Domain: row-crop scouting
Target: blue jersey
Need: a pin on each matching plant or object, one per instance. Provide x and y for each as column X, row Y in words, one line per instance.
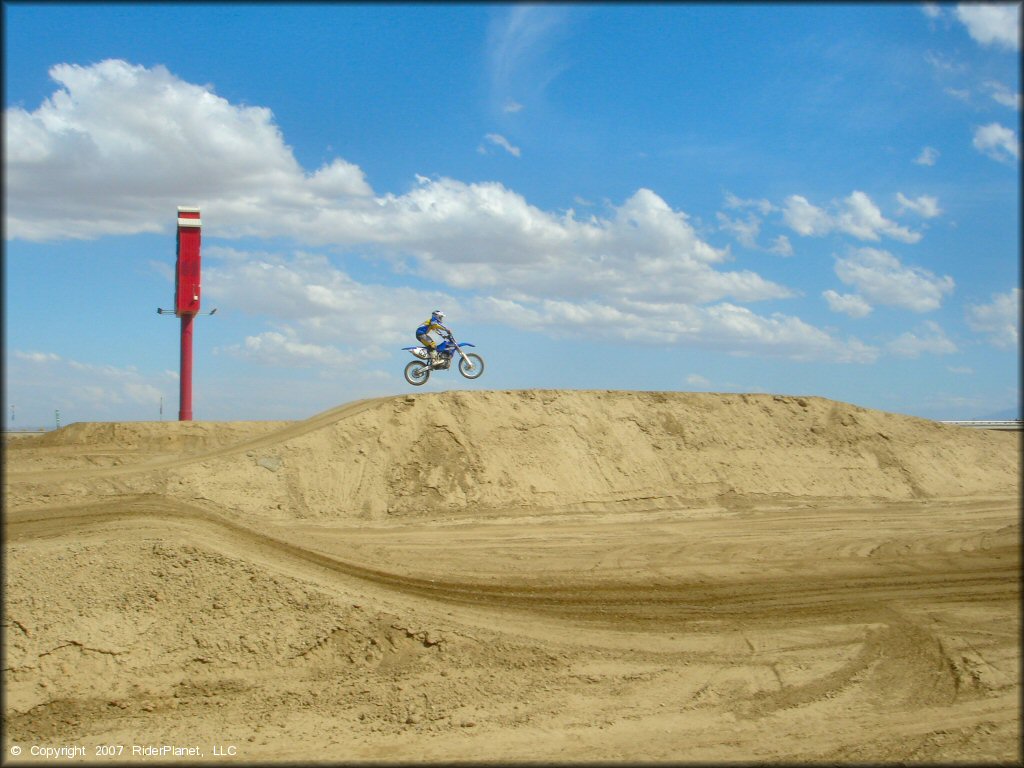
column 429, row 325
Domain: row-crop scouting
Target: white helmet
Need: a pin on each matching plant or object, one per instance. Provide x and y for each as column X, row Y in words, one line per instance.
column 437, row 316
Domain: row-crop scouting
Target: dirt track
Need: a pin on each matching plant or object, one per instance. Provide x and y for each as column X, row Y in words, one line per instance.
column 349, row 588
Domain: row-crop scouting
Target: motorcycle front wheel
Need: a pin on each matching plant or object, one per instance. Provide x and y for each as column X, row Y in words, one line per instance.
column 477, row 363
column 417, row 373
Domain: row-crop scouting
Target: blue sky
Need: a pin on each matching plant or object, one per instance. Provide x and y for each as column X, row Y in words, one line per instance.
column 796, row 199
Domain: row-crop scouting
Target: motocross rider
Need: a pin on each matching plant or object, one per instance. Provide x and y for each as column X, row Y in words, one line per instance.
column 434, row 323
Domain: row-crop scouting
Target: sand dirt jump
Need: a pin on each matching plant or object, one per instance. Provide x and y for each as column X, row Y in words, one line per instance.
column 527, row 576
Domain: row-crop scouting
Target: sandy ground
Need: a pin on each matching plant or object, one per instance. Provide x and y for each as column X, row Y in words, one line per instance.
column 516, row 576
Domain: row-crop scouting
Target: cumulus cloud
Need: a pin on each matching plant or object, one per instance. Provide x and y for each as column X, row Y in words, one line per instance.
column 806, row 219
column 998, row 142
column 287, row 350
column 928, row 156
column 999, row 319
column 847, row 303
column 745, row 231
column 323, row 317
column 484, row 236
column 928, row 339
column 117, row 146
column 861, row 218
column 781, row 246
column 855, row 215
column 995, row 24
column 1002, row 94
column 924, row 206
column 761, row 205
column 881, row 278
column 139, row 136
column 312, row 301
column 724, row 326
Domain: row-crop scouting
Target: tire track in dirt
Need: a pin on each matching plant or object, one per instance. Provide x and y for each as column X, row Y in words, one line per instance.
column 658, row 605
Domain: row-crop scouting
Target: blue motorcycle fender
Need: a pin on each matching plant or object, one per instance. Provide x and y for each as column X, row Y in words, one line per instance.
column 445, row 347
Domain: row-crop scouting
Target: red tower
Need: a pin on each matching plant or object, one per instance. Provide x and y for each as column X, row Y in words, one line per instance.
column 186, row 298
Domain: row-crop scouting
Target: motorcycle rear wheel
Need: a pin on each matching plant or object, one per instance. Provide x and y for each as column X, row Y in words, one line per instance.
column 417, row 373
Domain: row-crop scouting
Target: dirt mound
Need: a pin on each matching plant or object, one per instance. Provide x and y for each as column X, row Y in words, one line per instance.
column 476, row 452
column 89, row 445
column 519, row 577
column 168, row 436
column 501, row 452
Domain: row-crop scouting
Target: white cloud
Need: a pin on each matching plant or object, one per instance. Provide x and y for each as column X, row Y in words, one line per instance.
column 483, row 236
column 960, row 370
column 340, row 179
column 998, row 142
column 37, row 357
column 499, row 140
column 321, row 313
column 847, row 303
column 45, row 382
column 512, row 107
column 1000, row 319
column 855, row 215
column 861, row 218
column 124, row 138
column 142, row 393
column 1003, row 95
column 925, row 206
column 928, row 156
column 882, row 279
column 943, row 64
column 763, row 206
column 995, row 24
column 723, row 327
column 287, row 350
column 520, row 41
column 117, row 146
column 929, row 339
column 931, row 10
column 696, row 380
column 781, row 246
column 804, row 218
column 745, row 232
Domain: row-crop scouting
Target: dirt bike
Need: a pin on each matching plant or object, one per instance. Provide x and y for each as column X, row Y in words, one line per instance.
column 471, row 365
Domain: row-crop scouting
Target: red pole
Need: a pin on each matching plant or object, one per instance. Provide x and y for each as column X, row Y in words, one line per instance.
column 185, row 392
column 186, row 297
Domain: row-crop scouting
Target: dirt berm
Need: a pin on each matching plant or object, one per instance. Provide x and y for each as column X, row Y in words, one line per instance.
column 524, row 577
column 442, row 454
